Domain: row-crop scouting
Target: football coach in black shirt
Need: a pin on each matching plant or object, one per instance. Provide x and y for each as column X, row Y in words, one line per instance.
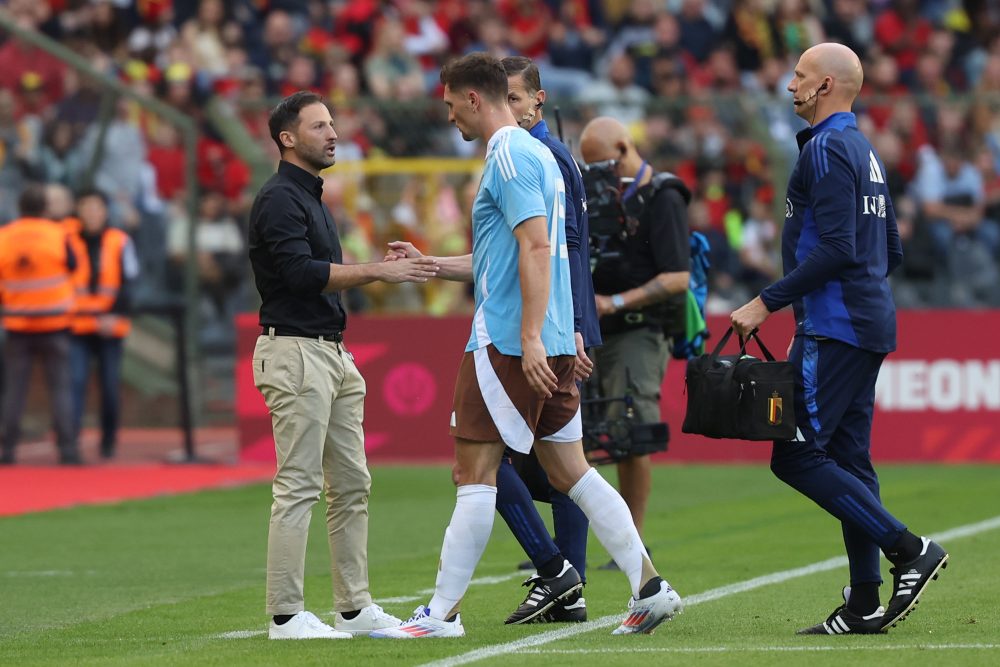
column 312, row 388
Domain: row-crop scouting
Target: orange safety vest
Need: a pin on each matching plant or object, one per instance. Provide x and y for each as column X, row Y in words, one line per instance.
column 36, row 286
column 93, row 308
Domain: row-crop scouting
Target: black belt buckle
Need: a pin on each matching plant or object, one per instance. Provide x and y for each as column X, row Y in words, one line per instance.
column 634, row 318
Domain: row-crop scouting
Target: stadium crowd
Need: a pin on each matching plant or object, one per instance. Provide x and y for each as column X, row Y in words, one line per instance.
column 700, row 83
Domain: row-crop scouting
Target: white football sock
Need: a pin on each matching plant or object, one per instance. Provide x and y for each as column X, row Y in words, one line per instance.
column 464, row 542
column 612, row 523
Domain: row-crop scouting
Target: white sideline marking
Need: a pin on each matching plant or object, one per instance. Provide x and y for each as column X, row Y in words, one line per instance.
column 709, row 595
column 757, row 649
column 421, row 595
column 240, row 634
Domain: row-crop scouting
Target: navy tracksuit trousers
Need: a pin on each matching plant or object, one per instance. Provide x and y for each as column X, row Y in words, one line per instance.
column 517, row 486
column 830, row 461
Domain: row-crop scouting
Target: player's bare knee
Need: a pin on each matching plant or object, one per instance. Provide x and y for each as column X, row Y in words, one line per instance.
column 564, row 463
column 476, row 462
column 464, row 477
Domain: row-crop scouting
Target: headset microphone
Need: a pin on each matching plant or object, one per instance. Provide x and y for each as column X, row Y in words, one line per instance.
column 815, row 93
column 539, row 105
column 812, row 121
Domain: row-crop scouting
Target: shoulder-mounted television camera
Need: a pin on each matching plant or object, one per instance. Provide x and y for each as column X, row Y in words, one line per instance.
column 602, row 187
column 612, row 219
column 605, row 213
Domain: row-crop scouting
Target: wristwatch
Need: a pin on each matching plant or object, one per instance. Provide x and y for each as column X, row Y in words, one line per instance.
column 618, row 301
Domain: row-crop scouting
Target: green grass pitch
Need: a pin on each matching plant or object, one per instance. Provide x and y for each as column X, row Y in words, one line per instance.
column 160, row 581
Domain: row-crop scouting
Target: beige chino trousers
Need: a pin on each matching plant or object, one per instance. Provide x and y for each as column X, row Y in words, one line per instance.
column 316, row 397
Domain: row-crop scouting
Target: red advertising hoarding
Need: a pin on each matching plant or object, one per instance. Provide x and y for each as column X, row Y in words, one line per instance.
column 938, row 395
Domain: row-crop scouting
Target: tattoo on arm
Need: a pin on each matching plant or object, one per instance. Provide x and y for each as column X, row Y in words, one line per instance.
column 654, row 291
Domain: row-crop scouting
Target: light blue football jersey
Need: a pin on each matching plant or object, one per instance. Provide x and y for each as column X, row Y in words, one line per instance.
column 521, row 180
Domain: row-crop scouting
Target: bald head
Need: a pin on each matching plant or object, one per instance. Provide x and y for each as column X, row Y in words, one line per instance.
column 604, row 138
column 827, row 80
column 840, row 63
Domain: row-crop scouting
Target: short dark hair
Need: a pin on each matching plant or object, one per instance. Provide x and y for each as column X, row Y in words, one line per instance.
column 285, row 115
column 477, row 71
column 92, row 192
column 32, row 203
column 526, row 67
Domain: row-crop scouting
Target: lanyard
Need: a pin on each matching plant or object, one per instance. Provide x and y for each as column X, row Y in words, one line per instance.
column 634, row 185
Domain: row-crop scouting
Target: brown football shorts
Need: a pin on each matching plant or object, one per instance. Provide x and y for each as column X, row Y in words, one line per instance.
column 495, row 403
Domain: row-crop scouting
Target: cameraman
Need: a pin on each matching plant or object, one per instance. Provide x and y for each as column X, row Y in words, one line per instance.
column 641, row 279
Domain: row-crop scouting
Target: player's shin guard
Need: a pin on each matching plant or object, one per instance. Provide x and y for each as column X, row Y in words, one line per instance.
column 464, row 542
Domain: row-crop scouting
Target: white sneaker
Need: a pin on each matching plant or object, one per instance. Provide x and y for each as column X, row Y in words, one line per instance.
column 304, row 625
column 647, row 613
column 421, row 625
column 371, row 618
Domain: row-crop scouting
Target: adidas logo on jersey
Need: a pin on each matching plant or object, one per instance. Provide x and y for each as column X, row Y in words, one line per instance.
column 874, row 171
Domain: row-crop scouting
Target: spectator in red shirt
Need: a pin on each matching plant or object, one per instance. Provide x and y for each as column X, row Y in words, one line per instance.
column 528, row 22
column 167, row 158
column 904, row 34
column 219, row 169
column 18, row 58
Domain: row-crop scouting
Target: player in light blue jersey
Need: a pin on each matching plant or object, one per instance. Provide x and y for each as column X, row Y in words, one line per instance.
column 516, row 383
column 521, row 182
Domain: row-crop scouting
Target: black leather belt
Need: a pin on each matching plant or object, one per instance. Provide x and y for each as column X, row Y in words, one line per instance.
column 335, row 337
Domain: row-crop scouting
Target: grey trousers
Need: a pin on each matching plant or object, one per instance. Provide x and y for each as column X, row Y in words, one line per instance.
column 644, row 353
column 316, row 397
column 20, row 352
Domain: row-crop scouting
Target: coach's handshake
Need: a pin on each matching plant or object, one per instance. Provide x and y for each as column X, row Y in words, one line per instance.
column 457, row 268
column 417, row 269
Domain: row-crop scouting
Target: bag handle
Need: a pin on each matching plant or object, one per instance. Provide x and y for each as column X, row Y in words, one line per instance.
column 755, row 334
column 722, row 343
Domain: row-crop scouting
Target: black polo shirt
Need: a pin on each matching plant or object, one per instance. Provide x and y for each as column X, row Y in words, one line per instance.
column 292, row 243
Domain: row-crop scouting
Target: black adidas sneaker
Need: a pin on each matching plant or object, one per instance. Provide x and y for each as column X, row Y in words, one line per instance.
column 842, row 621
column 544, row 593
column 571, row 609
column 910, row 579
column 845, row 622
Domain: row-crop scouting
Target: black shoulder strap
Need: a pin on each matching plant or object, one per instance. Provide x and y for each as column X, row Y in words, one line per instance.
column 664, row 179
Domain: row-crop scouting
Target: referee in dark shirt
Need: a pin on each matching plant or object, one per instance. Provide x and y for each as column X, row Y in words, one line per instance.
column 839, row 244
column 308, row 378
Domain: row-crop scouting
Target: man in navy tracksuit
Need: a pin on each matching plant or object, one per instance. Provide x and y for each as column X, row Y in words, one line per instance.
column 839, row 245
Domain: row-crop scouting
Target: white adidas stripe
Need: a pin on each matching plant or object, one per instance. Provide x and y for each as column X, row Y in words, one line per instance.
column 839, row 622
column 876, row 171
column 505, row 155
